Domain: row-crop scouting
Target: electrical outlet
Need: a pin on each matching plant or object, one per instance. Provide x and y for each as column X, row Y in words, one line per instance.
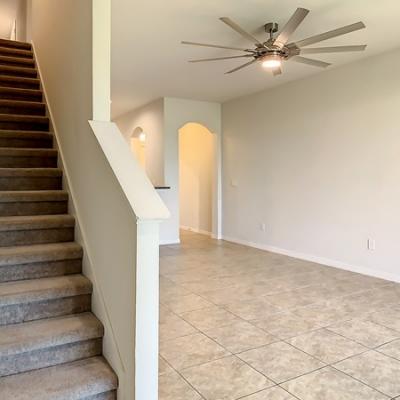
column 263, row 227
column 371, row 245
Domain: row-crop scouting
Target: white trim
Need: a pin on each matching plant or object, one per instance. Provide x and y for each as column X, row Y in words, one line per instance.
column 167, row 242
column 139, row 191
column 195, row 230
column 147, row 311
column 319, row 260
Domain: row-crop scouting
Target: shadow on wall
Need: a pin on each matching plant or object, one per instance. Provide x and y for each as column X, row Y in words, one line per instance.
column 196, row 169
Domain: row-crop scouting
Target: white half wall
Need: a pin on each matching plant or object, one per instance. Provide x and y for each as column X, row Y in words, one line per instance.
column 317, row 162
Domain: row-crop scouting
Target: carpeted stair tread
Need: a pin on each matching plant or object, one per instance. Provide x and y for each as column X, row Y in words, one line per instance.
column 22, row 107
column 72, row 381
column 32, row 196
column 30, row 222
column 18, row 152
column 30, row 172
column 14, row 52
column 18, row 61
column 20, row 92
column 35, row 290
column 36, row 335
column 39, row 253
column 19, row 82
column 11, row 134
column 50, row 341
column 15, row 44
column 18, row 71
column 24, row 118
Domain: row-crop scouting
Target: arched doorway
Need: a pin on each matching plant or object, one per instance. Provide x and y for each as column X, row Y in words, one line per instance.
column 197, row 175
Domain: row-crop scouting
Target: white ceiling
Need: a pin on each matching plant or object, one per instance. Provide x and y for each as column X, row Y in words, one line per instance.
column 149, row 62
column 8, row 12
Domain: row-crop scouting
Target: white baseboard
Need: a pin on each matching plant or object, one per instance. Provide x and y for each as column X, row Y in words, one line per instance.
column 195, row 230
column 166, row 242
column 319, row 260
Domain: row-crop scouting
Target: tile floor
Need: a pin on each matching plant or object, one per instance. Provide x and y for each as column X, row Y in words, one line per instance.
column 241, row 323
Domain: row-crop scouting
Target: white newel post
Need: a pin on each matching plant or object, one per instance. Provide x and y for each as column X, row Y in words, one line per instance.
column 147, row 309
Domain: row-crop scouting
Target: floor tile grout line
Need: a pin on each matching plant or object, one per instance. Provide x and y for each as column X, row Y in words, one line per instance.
column 282, row 310
column 358, row 380
column 348, row 318
column 266, row 376
column 327, row 363
column 267, row 389
column 232, row 355
column 280, row 383
column 284, row 291
column 362, row 344
column 175, row 370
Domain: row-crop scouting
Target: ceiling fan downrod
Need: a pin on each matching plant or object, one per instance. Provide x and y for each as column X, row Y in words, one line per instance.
column 271, row 28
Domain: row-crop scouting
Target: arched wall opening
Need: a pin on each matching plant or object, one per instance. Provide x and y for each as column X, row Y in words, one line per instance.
column 197, row 174
column 138, row 145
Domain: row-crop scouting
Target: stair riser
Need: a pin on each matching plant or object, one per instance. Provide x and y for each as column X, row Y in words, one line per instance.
column 9, row 94
column 26, row 143
column 15, row 45
column 31, row 183
column 23, row 62
column 18, row 84
column 10, row 71
column 17, row 110
column 33, row 208
column 15, row 314
column 25, row 126
column 39, row 270
column 36, row 236
column 49, row 357
column 9, row 52
column 28, row 162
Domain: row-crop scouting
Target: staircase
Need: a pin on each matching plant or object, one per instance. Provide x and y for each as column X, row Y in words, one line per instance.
column 50, row 342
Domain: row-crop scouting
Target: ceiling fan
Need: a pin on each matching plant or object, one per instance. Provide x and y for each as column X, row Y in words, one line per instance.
column 275, row 50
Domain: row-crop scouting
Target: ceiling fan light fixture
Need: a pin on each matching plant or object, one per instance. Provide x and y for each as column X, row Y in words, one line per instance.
column 271, row 61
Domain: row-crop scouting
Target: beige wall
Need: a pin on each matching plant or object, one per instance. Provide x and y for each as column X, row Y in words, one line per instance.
column 150, row 118
column 21, row 20
column 317, row 161
column 196, row 164
column 162, row 120
column 13, row 12
column 62, row 35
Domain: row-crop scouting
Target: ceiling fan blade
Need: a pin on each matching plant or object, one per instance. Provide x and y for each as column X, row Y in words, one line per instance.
column 241, row 66
column 277, row 71
column 331, row 34
column 219, row 58
column 216, row 46
column 241, row 31
column 309, row 61
column 336, row 49
column 293, row 23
